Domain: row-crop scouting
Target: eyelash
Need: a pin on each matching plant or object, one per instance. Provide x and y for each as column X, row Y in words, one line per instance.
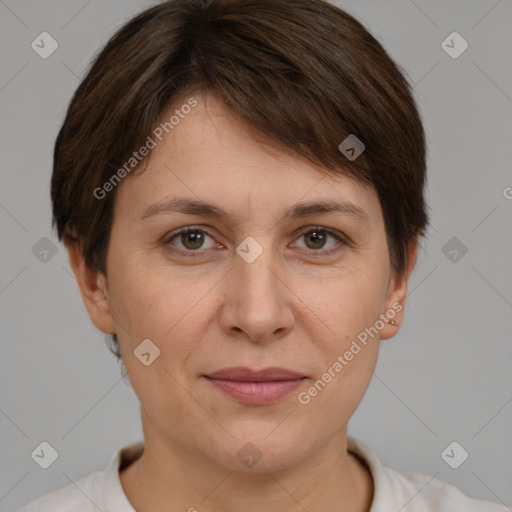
column 200, row 253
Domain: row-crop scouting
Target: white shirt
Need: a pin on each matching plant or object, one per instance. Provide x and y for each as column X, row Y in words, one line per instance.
column 394, row 490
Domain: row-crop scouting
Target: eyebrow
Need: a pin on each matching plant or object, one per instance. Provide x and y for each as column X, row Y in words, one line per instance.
column 204, row 209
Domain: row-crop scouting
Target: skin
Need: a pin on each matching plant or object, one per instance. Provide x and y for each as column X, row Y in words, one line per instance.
column 293, row 307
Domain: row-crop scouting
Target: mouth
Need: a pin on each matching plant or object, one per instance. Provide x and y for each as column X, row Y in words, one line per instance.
column 256, row 387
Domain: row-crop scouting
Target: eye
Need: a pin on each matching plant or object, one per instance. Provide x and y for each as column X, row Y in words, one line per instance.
column 191, row 239
column 316, row 239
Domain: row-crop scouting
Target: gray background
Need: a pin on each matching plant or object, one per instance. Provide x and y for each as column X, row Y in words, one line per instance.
column 445, row 377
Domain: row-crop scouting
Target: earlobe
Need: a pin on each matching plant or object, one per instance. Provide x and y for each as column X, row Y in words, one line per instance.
column 397, row 295
column 92, row 285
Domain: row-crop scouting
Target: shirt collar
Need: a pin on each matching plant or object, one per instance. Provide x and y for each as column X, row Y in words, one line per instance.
column 113, row 493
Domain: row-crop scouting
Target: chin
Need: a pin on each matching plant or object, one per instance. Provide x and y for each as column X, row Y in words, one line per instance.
column 256, row 450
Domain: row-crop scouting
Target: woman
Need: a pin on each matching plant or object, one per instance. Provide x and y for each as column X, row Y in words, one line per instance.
column 240, row 187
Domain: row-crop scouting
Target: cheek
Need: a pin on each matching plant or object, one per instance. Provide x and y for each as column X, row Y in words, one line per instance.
column 153, row 303
column 150, row 304
column 340, row 318
column 344, row 303
column 345, row 352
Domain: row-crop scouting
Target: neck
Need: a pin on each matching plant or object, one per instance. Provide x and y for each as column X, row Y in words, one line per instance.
column 168, row 473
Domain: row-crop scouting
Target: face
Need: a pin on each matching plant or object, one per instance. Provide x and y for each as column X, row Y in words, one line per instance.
column 270, row 282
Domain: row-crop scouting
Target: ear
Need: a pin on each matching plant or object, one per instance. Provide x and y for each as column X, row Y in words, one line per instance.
column 398, row 293
column 93, row 289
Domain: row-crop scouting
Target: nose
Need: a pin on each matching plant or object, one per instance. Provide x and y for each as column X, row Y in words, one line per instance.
column 257, row 302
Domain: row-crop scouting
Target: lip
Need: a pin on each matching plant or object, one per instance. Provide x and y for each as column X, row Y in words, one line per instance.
column 243, row 374
column 256, row 387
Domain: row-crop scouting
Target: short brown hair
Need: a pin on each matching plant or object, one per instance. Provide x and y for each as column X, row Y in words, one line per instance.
column 304, row 72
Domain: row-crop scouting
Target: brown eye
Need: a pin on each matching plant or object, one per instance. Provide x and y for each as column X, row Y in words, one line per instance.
column 316, row 239
column 190, row 241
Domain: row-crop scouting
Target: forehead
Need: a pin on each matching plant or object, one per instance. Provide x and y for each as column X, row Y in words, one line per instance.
column 209, row 154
